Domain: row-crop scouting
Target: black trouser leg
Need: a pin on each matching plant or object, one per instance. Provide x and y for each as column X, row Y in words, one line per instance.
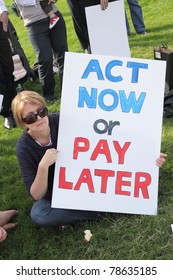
column 7, row 86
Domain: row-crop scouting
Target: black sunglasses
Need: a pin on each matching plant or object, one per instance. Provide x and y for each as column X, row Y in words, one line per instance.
column 32, row 117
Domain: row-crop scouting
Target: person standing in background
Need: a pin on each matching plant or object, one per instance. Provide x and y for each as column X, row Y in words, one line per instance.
column 47, row 43
column 77, row 9
column 137, row 17
column 7, row 85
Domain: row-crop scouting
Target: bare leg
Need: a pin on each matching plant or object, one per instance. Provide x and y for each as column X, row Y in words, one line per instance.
column 6, row 216
column 3, row 234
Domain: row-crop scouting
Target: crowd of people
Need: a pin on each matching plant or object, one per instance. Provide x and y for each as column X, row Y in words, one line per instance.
column 36, row 148
column 46, row 30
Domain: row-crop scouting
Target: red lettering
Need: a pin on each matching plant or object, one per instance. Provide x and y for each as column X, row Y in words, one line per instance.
column 80, row 145
column 101, row 148
column 121, row 151
column 123, row 179
column 104, row 174
column 143, row 185
column 62, row 181
column 120, row 182
column 85, row 177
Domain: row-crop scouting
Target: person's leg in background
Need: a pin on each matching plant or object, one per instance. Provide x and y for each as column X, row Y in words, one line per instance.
column 8, row 90
column 58, row 39
column 38, row 34
column 77, row 9
column 137, row 16
column 127, row 25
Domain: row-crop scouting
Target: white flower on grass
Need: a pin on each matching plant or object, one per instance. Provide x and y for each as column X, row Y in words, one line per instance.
column 87, row 235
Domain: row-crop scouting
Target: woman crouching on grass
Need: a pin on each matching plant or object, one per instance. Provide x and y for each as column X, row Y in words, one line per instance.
column 37, row 154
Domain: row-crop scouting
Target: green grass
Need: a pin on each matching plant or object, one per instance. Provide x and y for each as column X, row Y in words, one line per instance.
column 117, row 236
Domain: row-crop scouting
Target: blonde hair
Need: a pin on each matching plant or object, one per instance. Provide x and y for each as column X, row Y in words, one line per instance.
column 23, row 98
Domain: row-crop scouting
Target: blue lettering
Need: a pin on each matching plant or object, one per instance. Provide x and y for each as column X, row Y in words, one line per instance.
column 130, row 102
column 135, row 69
column 93, row 66
column 101, row 100
column 90, row 100
column 109, row 67
column 127, row 103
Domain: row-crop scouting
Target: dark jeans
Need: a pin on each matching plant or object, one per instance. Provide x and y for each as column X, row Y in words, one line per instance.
column 43, row 215
column 7, row 87
column 77, row 9
column 46, row 43
column 136, row 15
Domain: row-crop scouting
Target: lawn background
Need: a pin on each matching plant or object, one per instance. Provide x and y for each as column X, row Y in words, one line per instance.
column 117, row 236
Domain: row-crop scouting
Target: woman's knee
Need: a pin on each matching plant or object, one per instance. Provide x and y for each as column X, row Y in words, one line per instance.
column 36, row 218
column 39, row 212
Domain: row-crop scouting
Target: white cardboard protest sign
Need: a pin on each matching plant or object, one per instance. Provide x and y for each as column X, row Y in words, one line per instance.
column 107, row 29
column 109, row 134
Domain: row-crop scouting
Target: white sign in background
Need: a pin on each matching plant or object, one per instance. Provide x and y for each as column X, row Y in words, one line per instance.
column 142, row 130
column 1, row 99
column 107, row 29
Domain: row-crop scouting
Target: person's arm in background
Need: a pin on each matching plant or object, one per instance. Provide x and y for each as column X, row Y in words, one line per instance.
column 3, row 15
column 104, row 4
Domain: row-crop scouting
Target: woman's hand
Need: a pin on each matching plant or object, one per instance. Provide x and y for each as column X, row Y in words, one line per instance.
column 160, row 161
column 49, row 157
